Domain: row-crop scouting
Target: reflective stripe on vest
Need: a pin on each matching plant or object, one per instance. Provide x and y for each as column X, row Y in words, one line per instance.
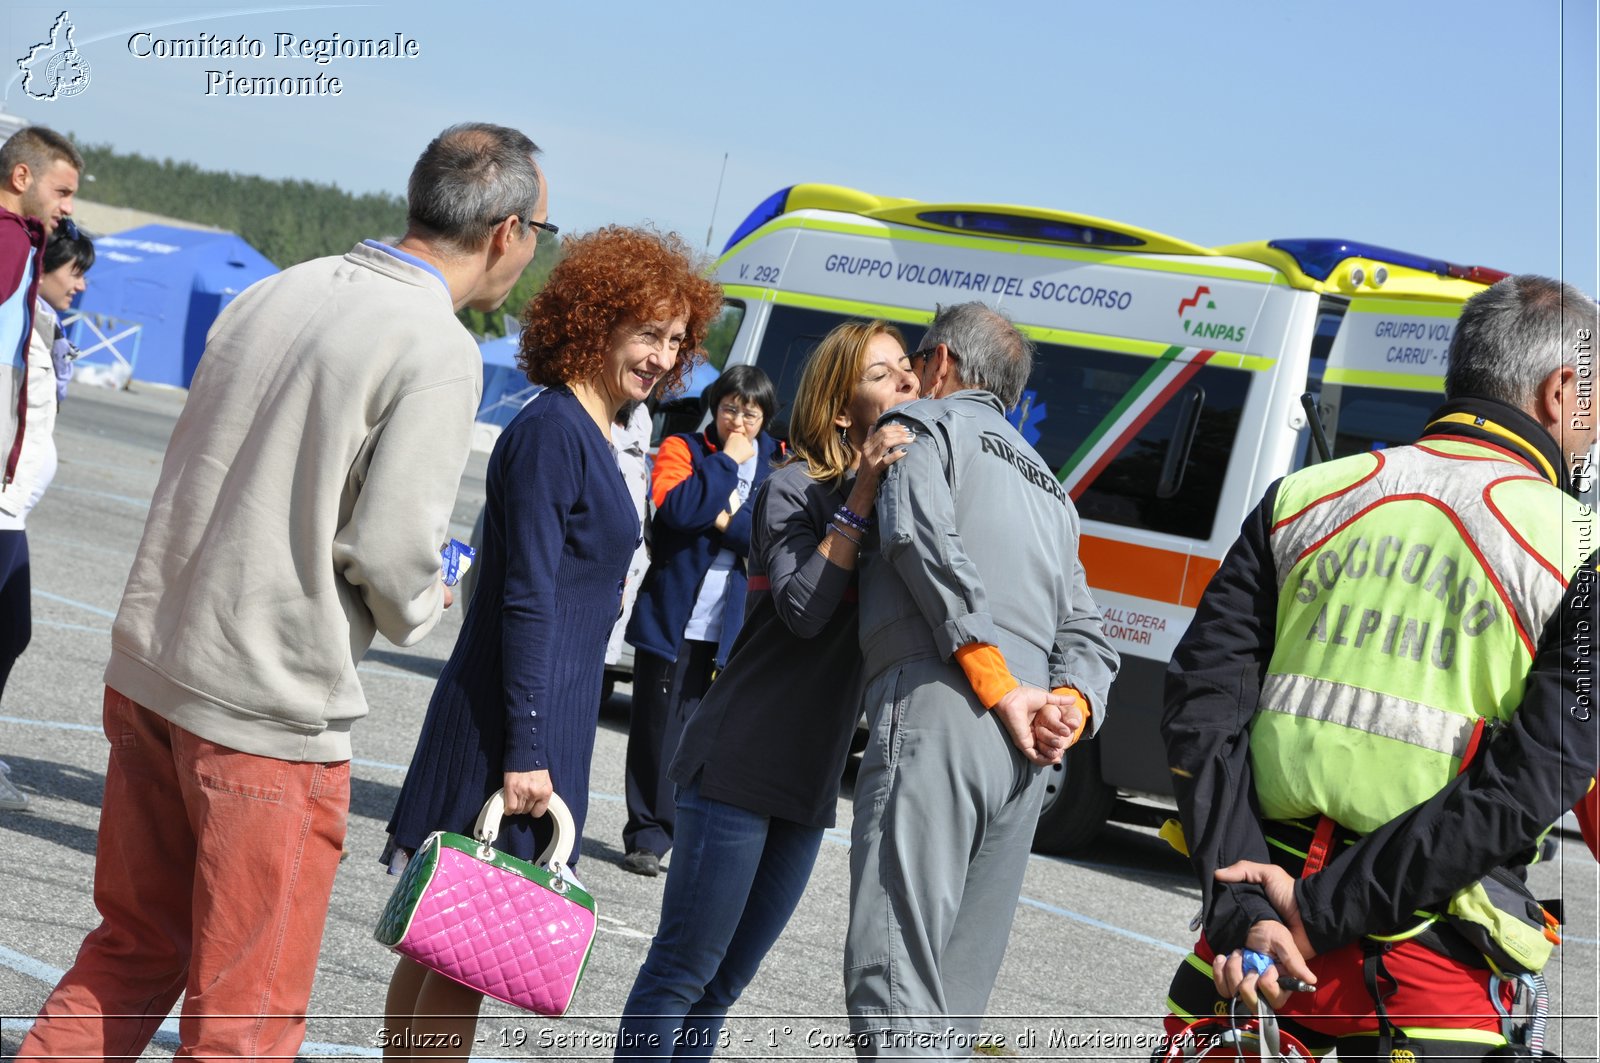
column 1369, row 711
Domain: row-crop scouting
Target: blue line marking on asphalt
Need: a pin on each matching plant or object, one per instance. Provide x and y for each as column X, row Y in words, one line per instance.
column 833, row 835
column 1165, row 946
column 379, row 764
column 138, row 503
column 360, row 762
column 71, row 627
column 85, row 606
column 53, row 724
column 381, row 672
column 25, row 964
column 166, row 1036
column 369, row 669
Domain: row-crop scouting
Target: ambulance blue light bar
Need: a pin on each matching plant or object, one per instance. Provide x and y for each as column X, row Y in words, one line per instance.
column 765, row 211
column 1318, row 258
column 1025, row 228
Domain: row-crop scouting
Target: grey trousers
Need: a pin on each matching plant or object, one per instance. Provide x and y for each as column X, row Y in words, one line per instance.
column 945, row 810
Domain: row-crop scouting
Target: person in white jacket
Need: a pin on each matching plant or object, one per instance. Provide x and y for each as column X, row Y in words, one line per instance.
column 631, row 441
column 66, row 258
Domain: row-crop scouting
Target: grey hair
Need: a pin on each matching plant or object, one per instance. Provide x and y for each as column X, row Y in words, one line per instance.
column 990, row 352
column 1513, row 335
column 468, row 180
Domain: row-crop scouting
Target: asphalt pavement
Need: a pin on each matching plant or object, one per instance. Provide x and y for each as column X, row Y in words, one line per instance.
column 1094, row 944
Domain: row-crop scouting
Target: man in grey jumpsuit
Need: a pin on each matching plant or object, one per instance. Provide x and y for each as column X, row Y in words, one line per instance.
column 975, row 602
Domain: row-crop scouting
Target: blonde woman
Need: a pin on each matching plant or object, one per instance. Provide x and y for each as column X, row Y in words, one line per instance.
column 759, row 763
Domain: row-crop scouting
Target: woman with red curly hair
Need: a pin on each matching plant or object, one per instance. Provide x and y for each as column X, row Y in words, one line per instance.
column 518, row 702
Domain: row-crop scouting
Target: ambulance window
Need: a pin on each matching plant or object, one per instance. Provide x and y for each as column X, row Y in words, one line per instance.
column 1330, row 315
column 1374, row 418
column 721, row 334
column 1071, row 411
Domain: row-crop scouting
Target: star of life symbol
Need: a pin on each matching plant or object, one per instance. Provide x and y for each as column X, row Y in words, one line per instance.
column 55, row 68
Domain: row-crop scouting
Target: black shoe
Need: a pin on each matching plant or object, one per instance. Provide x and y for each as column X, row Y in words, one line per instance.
column 642, row 862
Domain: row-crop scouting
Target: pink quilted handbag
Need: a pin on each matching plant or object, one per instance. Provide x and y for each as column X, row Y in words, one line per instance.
column 512, row 930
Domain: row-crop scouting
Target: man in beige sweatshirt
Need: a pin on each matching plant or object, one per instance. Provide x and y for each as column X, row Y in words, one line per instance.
column 302, row 503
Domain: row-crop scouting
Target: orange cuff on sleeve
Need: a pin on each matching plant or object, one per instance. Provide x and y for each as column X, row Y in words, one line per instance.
column 1075, row 692
column 987, row 672
column 1087, row 712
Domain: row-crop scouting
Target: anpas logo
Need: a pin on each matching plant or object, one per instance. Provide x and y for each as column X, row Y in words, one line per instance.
column 1195, row 323
column 55, row 68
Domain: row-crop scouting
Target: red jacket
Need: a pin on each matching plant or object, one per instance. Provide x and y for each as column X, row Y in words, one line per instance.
column 20, row 241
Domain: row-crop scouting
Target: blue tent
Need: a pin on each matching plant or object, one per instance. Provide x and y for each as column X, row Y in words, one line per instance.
column 173, row 283
column 506, row 390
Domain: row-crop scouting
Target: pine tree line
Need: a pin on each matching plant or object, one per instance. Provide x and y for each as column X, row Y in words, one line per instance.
column 287, row 221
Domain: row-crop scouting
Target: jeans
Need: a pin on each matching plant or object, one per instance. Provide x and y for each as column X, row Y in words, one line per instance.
column 16, row 610
column 212, row 876
column 736, row 878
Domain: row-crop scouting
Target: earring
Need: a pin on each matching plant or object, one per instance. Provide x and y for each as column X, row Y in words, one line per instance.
column 844, row 440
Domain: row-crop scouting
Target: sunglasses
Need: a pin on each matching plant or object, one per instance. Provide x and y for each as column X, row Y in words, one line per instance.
column 925, row 353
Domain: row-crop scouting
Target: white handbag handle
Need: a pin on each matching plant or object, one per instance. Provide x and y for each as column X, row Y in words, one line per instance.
column 560, row 848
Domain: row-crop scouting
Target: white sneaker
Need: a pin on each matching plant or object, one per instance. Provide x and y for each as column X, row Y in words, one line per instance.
column 11, row 798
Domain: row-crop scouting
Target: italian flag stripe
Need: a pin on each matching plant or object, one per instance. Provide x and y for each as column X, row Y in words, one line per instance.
column 1148, row 396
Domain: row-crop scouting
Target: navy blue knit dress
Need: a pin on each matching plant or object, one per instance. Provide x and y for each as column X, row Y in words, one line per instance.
column 521, row 691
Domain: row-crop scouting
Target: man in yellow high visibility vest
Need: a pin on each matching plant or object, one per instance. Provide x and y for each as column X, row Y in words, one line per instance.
column 1342, row 716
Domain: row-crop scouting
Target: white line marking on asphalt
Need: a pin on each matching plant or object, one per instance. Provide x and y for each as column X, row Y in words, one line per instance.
column 621, row 929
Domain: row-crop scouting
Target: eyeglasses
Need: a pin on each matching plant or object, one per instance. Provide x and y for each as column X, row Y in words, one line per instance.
column 529, row 223
column 927, row 352
column 68, row 228
column 733, row 413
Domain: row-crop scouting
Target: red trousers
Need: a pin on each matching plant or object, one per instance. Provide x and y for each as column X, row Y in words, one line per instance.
column 212, row 877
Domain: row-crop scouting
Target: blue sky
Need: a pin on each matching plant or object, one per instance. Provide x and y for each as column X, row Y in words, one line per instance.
column 1460, row 129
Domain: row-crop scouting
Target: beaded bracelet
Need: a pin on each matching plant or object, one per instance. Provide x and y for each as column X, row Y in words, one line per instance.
column 855, row 520
column 840, row 528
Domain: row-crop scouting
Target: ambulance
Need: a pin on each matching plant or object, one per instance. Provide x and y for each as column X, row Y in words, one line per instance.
column 1168, row 392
